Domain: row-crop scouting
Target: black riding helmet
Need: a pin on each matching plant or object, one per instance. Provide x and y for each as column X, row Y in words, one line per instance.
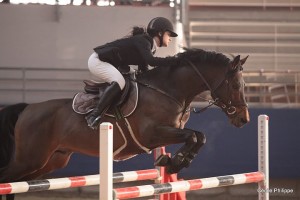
column 160, row 25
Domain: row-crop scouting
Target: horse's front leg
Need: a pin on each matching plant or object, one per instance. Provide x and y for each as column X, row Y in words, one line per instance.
column 193, row 140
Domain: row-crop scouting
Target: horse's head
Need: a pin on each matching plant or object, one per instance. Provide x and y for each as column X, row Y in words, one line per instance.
column 229, row 94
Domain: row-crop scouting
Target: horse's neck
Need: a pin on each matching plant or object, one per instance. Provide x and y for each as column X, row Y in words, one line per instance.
column 181, row 83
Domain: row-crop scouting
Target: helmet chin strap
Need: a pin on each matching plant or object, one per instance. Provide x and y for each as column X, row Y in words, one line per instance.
column 161, row 37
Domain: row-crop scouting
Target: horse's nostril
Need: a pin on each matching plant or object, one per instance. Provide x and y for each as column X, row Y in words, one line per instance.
column 244, row 121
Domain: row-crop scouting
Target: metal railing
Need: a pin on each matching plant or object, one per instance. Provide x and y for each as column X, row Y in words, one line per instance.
column 269, row 89
column 272, row 45
column 21, row 84
column 277, row 88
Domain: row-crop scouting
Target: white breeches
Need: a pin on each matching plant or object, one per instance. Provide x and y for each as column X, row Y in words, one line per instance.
column 105, row 71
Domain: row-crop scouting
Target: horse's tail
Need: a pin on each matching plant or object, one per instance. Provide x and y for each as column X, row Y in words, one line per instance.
column 8, row 118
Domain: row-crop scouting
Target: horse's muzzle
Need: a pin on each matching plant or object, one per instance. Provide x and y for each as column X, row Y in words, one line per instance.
column 241, row 117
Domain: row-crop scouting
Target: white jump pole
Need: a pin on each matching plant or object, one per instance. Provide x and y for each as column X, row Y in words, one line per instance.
column 106, row 161
column 263, row 156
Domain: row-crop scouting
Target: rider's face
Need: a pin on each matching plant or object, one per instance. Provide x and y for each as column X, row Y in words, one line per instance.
column 166, row 39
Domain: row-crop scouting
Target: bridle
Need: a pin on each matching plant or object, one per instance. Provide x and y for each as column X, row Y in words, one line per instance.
column 228, row 107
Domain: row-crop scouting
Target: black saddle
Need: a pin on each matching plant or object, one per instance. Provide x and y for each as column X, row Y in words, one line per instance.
column 85, row 102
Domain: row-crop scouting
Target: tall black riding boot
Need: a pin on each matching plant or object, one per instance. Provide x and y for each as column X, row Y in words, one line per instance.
column 110, row 93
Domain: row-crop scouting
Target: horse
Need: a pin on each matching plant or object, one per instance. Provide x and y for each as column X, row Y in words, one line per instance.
column 39, row 138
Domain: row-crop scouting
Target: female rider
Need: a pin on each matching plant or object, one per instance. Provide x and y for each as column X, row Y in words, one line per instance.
column 110, row 60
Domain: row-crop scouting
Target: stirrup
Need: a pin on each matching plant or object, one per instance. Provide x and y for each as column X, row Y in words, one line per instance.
column 95, row 124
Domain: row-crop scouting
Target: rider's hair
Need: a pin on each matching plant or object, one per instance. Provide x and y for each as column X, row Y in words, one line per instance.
column 138, row 31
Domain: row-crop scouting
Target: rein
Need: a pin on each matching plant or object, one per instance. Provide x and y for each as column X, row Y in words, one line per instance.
column 210, row 102
column 158, row 90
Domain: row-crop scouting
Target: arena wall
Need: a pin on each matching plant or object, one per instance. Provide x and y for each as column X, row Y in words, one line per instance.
column 64, row 36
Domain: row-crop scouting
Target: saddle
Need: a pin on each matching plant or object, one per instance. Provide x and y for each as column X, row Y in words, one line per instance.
column 84, row 102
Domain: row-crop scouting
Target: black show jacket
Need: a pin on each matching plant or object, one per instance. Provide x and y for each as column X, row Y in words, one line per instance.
column 134, row 50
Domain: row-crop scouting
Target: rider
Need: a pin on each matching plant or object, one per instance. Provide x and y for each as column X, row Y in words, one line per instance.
column 110, row 60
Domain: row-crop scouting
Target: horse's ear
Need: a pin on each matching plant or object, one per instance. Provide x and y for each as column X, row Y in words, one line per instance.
column 235, row 62
column 244, row 60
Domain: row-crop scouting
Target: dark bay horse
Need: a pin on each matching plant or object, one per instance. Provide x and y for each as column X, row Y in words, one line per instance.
column 38, row 138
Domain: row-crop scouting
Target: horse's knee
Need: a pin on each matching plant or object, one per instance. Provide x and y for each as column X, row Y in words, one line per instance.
column 201, row 138
column 197, row 138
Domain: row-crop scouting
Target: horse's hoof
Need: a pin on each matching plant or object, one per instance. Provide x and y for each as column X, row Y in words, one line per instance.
column 162, row 160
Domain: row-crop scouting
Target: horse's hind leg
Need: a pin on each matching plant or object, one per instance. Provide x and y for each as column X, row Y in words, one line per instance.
column 28, row 160
column 10, row 196
column 183, row 157
column 58, row 160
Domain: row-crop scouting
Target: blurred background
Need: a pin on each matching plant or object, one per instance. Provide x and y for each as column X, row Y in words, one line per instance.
column 45, row 44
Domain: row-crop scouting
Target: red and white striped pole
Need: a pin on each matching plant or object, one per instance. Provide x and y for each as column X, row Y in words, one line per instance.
column 188, row 185
column 75, row 181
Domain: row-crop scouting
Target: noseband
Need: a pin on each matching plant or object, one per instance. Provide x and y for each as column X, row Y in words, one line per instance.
column 227, row 108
